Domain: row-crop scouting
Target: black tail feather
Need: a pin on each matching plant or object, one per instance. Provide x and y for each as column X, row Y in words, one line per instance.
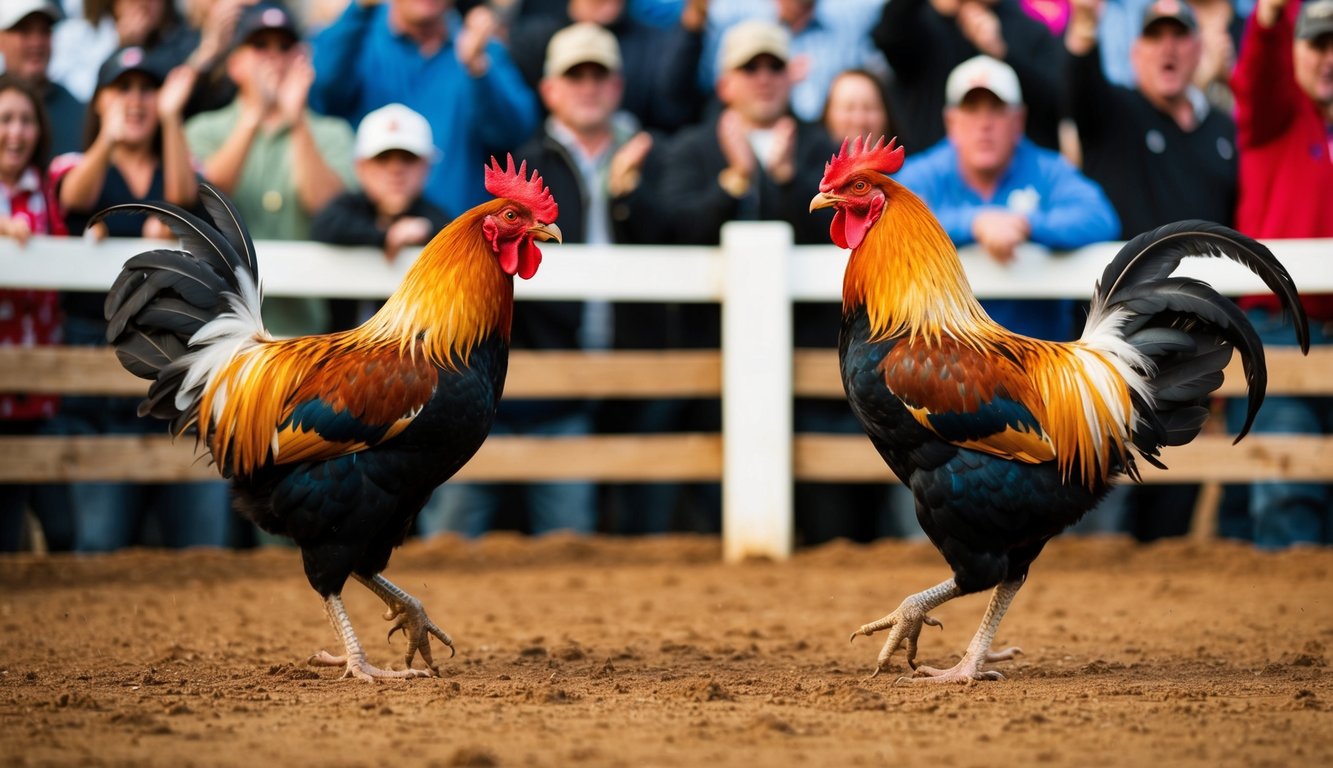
column 1187, row 329
column 162, row 298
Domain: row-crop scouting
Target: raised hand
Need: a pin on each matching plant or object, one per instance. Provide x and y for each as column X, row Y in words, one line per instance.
column 294, row 90
column 627, row 165
column 732, row 139
column 175, row 91
column 781, row 161
column 981, row 27
column 479, row 26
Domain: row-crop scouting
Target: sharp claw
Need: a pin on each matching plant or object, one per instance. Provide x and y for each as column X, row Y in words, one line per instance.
column 932, row 622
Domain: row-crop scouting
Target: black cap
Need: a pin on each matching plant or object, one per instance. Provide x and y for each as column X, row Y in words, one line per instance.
column 129, row 59
column 260, row 17
column 1316, row 19
column 1178, row 11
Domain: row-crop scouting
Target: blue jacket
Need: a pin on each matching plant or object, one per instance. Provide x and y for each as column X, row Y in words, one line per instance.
column 361, row 64
column 1064, row 208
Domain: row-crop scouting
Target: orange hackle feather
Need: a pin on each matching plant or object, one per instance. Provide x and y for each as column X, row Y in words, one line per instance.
column 454, row 296
column 908, row 277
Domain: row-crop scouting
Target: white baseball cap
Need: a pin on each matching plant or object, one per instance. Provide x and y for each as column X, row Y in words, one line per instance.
column 394, row 126
column 14, row 11
column 986, row 73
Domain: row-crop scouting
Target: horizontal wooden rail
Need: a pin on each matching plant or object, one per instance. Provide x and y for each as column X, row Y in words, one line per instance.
column 1210, row 458
column 158, row 459
column 815, row 373
column 685, row 373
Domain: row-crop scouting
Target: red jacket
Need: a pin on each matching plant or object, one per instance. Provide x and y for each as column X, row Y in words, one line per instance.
column 1286, row 172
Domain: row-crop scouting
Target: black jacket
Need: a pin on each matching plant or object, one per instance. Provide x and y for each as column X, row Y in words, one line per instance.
column 697, row 206
column 923, row 47
column 1153, row 172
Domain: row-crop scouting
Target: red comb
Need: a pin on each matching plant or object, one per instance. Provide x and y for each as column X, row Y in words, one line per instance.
column 531, row 193
column 860, row 155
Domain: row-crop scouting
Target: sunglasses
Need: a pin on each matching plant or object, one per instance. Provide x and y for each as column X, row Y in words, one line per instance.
column 764, row 63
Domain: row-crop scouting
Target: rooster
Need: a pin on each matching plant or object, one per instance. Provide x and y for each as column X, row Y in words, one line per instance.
column 334, row 440
column 1006, row 440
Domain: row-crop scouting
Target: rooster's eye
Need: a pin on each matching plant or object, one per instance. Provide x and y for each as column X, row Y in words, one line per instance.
column 510, row 215
column 860, row 186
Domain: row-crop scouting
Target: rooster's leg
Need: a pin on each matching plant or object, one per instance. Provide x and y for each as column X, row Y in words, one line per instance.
column 355, row 658
column 412, row 620
column 978, row 651
column 905, row 623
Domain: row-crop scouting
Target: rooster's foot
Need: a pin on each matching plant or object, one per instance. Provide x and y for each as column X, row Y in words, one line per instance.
column 410, row 618
column 904, row 626
column 967, row 670
column 356, row 666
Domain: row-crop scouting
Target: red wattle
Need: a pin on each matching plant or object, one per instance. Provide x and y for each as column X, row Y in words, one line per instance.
column 529, row 258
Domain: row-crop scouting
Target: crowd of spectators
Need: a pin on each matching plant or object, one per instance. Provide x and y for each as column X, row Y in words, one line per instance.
column 365, row 122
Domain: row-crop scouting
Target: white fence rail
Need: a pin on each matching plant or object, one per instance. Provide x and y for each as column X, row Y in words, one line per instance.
column 755, row 275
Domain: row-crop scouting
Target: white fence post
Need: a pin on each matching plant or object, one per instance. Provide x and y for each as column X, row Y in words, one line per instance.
column 756, row 391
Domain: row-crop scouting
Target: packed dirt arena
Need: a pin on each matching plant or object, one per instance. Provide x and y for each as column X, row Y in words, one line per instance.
column 650, row 651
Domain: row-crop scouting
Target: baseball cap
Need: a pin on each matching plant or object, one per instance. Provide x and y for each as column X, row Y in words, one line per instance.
column 748, row 39
column 260, row 17
column 583, row 43
column 394, row 126
column 14, row 11
column 132, row 58
column 1315, row 19
column 986, row 73
column 1176, row 10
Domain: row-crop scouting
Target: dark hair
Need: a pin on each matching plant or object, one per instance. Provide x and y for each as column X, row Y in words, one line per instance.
column 41, row 154
column 96, row 10
column 92, row 122
column 881, row 88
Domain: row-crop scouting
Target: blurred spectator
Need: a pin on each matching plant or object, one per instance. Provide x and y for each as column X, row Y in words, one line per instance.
column 109, row 25
column 857, row 105
column 658, row 64
column 394, row 152
column 1284, row 114
column 750, row 161
column 25, row 47
column 134, row 151
column 420, row 53
column 827, row 37
column 591, row 157
column 600, row 165
column 277, row 159
column 1163, row 153
column 991, row 186
column 28, row 318
column 1160, row 151
column 925, row 39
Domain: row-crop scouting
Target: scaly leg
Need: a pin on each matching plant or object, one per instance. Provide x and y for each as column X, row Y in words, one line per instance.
column 412, row 620
column 978, row 651
column 354, row 659
column 905, row 623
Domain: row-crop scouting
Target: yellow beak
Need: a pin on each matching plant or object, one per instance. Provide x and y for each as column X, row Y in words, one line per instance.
column 824, row 200
column 545, row 232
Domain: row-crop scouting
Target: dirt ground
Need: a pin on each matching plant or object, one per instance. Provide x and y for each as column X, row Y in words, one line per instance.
column 652, row 652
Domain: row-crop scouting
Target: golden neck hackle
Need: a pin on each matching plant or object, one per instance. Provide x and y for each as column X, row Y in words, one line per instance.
column 908, row 276
column 452, row 298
